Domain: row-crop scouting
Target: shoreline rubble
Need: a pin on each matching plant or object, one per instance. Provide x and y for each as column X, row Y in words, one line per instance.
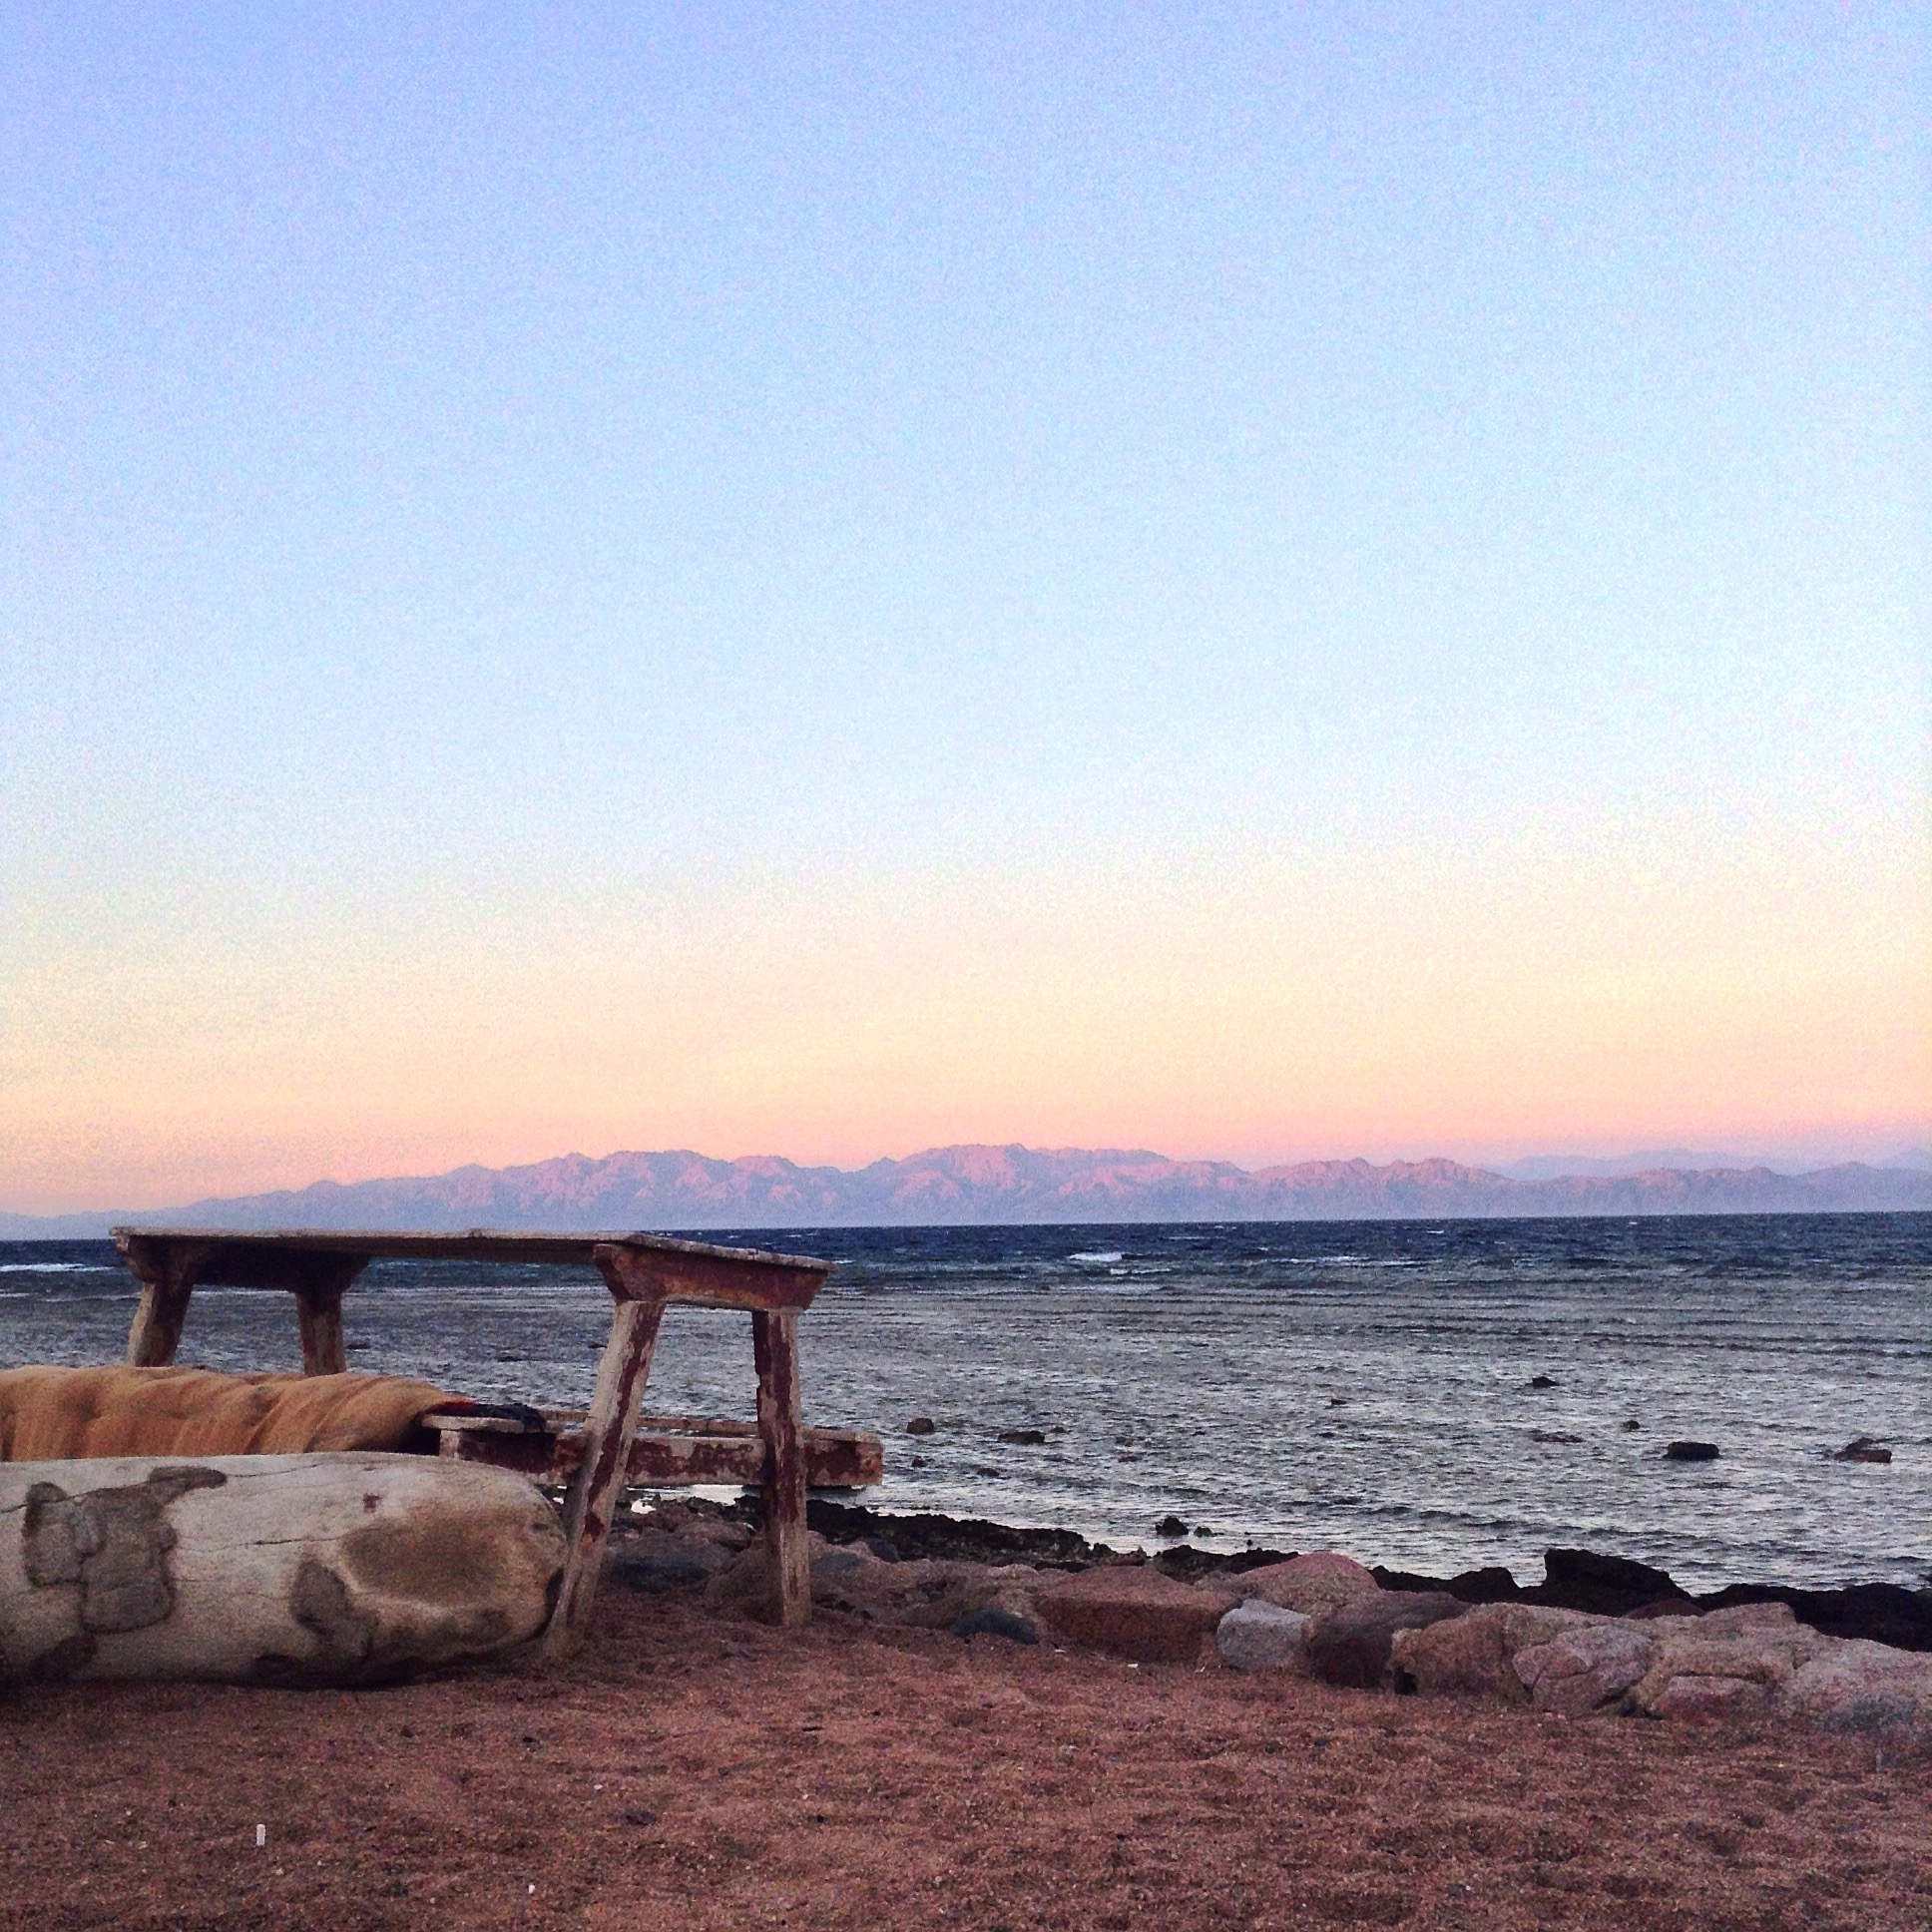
column 1600, row 1635
column 1574, row 1578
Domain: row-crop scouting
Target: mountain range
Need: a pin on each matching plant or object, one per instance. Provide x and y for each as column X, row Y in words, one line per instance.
column 960, row 1186
column 1563, row 1167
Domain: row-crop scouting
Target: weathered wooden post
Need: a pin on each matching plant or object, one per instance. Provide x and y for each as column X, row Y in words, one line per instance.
column 773, row 1289
column 167, row 1271
column 774, row 1343
column 597, row 1486
column 318, row 1310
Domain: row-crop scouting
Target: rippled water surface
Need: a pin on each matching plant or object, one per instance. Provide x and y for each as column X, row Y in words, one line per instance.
column 1365, row 1386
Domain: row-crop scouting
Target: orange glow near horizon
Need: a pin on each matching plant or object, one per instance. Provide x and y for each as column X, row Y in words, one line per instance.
column 1408, row 1002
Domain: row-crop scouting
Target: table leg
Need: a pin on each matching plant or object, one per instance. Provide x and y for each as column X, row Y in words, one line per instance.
column 318, row 1312
column 168, row 1275
column 775, row 1341
column 597, row 1486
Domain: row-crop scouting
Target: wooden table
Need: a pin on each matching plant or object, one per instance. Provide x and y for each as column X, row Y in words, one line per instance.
column 596, row 1452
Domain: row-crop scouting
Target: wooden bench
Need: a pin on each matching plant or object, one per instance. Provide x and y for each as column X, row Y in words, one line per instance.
column 597, row 1451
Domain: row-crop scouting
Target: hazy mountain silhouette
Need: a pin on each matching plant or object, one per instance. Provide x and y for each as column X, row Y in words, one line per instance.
column 992, row 1185
column 1563, row 1167
column 1553, row 1167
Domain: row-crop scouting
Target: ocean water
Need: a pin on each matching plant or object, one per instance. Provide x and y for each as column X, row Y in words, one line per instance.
column 1365, row 1386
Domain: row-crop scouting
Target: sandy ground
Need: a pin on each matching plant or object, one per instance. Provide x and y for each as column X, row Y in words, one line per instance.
column 687, row 1773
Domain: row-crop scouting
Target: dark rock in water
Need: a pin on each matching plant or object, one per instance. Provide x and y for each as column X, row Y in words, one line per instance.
column 1883, row 1613
column 1026, row 1438
column 1350, row 1646
column 1543, row 1382
column 947, row 1538
column 1864, row 1449
column 1170, row 1526
column 986, row 1469
column 1201, row 1529
column 991, row 1622
column 654, row 1575
column 921, row 1425
column 1491, row 1585
column 1553, row 1435
column 1690, row 1452
column 1632, row 1425
column 1189, row 1565
column 1607, row 1585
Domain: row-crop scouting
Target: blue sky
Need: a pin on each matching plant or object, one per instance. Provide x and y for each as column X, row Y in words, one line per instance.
column 627, row 539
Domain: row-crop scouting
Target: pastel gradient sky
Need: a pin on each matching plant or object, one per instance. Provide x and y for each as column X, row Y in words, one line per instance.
column 1254, row 581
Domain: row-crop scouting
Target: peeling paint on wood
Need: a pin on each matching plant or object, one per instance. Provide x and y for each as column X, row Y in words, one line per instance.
column 667, row 1456
column 257, row 1568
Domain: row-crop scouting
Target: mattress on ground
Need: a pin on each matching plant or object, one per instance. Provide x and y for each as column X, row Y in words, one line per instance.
column 54, row 1415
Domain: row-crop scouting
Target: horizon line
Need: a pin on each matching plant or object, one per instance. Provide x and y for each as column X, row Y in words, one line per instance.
column 1667, row 1160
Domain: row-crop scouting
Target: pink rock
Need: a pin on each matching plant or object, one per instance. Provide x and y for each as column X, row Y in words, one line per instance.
column 1761, row 1643
column 1472, row 1656
column 1857, row 1686
column 1699, row 1699
column 1585, row 1668
column 1316, row 1584
column 1132, row 1612
column 1748, row 1618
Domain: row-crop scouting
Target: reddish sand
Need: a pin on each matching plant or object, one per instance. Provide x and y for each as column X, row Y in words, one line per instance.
column 686, row 1773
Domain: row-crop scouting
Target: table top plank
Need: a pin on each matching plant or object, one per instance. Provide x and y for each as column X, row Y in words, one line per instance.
column 474, row 1244
column 646, row 1266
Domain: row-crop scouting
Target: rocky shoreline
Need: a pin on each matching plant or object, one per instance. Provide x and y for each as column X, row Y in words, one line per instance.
column 1881, row 1612
column 1598, row 1634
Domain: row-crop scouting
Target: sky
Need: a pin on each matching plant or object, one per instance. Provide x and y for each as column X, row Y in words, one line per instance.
column 1261, row 582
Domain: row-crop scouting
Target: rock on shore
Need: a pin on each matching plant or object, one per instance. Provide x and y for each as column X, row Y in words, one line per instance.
column 1752, row 1661
column 1258, row 1636
column 1132, row 1611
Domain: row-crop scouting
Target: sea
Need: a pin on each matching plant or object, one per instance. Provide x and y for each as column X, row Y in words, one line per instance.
column 1432, row 1396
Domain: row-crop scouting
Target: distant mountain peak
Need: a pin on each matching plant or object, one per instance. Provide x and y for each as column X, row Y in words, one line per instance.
column 976, row 1182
